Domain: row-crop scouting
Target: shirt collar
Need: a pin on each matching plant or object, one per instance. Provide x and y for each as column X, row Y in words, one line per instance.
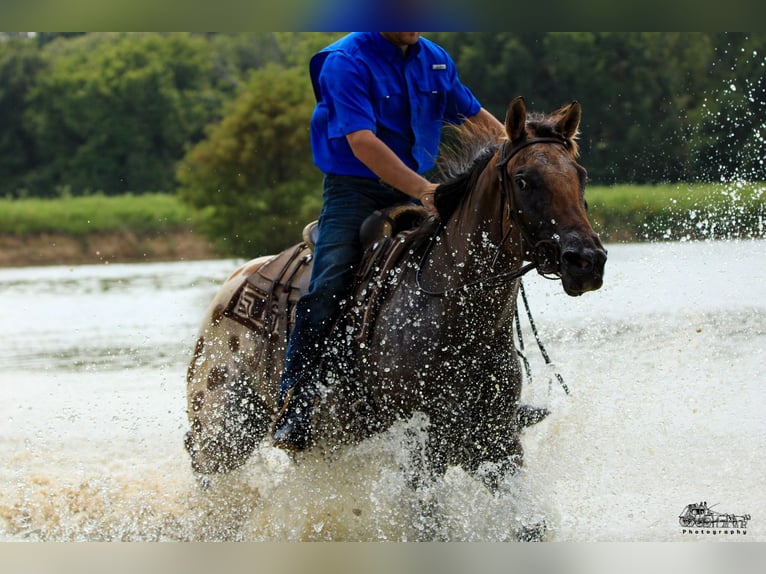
column 392, row 52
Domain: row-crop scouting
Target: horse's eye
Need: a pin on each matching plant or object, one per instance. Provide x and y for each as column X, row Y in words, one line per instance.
column 521, row 183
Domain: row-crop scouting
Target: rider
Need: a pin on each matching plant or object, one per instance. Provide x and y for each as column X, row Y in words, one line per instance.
column 382, row 98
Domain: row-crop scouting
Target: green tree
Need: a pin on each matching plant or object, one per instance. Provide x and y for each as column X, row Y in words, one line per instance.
column 497, row 67
column 732, row 126
column 20, row 65
column 253, row 174
column 114, row 111
column 637, row 91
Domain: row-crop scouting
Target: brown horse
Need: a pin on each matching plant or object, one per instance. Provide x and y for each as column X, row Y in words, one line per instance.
column 441, row 343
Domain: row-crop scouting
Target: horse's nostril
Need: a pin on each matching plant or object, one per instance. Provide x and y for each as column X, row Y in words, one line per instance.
column 576, row 260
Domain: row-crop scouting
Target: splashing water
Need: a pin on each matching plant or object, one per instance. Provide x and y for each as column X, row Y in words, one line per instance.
column 728, row 141
column 93, row 417
column 664, row 364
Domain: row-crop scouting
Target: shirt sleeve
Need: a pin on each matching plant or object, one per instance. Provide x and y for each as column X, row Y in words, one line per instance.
column 346, row 92
column 461, row 103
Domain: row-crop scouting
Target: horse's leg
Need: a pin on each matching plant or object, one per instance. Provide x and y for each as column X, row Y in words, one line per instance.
column 228, row 417
column 426, row 468
column 505, row 454
column 494, row 475
column 529, row 415
column 421, row 468
column 503, row 448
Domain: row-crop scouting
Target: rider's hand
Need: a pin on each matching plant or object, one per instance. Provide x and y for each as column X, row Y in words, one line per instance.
column 427, row 199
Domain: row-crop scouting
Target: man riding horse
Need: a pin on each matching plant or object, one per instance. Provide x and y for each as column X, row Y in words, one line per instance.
column 382, row 99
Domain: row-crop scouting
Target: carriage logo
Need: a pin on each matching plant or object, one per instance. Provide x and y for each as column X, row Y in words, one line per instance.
column 699, row 518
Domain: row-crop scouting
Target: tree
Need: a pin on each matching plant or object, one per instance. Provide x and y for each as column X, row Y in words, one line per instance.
column 638, row 91
column 114, row 111
column 641, row 92
column 732, row 126
column 253, row 174
column 20, row 65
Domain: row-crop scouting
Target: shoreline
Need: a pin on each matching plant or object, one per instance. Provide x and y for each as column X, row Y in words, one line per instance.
column 47, row 249
column 118, row 247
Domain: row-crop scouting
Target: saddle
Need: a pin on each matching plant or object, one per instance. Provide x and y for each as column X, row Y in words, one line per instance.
column 265, row 303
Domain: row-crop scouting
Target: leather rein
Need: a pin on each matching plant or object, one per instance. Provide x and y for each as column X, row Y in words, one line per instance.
column 542, row 251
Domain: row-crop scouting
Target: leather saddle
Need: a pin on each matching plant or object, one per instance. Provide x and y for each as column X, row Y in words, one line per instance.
column 265, row 303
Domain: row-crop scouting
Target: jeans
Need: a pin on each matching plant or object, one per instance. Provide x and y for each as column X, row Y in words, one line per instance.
column 347, row 202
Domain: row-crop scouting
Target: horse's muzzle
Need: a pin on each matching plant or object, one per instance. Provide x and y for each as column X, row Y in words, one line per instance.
column 582, row 267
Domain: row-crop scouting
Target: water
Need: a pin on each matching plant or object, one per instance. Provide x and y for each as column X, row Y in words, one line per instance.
column 665, row 363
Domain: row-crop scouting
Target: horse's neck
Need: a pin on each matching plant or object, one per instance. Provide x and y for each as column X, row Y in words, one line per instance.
column 475, row 233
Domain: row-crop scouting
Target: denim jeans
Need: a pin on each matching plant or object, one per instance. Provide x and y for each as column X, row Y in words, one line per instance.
column 347, row 201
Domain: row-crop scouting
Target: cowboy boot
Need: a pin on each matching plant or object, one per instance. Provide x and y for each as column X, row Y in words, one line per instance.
column 292, row 427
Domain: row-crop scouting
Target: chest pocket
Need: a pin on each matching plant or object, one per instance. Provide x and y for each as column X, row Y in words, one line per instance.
column 390, row 103
column 431, row 92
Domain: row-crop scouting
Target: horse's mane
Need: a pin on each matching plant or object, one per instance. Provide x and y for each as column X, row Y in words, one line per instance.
column 465, row 152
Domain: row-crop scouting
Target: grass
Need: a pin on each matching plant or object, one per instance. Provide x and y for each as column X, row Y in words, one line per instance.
column 619, row 213
column 82, row 216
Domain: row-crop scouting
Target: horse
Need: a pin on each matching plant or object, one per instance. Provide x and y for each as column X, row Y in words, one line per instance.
column 437, row 330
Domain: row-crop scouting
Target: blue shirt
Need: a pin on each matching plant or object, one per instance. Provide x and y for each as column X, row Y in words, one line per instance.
column 363, row 82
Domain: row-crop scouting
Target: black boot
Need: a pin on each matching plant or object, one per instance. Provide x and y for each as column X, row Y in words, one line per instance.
column 292, row 428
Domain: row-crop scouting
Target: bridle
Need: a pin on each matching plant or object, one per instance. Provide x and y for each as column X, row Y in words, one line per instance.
column 544, row 253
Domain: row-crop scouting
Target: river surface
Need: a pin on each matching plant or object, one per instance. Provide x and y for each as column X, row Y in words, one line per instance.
column 666, row 367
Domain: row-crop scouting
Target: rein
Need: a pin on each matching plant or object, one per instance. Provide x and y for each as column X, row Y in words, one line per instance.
column 484, row 282
column 539, row 341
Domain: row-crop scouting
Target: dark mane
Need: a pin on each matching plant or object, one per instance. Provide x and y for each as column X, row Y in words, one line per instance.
column 467, row 150
column 449, row 194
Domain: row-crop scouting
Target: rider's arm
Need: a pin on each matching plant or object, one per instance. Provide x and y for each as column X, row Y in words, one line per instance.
column 483, row 117
column 384, row 163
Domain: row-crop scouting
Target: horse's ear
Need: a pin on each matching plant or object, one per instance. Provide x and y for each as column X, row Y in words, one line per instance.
column 516, row 119
column 569, row 119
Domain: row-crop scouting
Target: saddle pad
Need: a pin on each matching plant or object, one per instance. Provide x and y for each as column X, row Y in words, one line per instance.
column 265, row 302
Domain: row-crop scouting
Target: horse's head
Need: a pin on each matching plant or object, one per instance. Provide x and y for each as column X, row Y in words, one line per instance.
column 545, row 187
